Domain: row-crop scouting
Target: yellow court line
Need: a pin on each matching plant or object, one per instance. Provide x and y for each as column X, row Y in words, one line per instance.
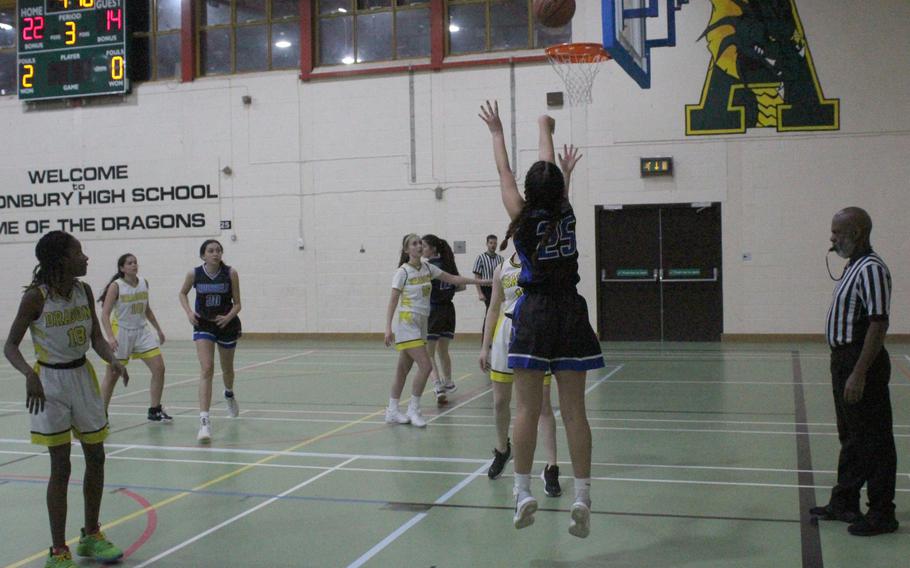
column 169, row 500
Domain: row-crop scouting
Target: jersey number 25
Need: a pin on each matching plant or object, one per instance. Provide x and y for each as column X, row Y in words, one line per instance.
column 561, row 242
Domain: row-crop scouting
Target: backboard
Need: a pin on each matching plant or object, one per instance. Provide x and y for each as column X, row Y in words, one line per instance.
column 626, row 36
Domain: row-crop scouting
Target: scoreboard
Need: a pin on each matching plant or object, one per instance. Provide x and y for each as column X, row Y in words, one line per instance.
column 71, row 48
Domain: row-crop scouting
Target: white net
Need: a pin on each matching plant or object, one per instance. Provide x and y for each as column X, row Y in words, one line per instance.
column 577, row 65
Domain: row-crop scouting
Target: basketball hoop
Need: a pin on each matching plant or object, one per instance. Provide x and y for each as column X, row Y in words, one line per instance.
column 577, row 64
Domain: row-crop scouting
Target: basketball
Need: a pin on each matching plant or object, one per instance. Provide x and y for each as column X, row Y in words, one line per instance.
column 554, row 13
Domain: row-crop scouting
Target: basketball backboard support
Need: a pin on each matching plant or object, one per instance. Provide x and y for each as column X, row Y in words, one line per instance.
column 626, row 38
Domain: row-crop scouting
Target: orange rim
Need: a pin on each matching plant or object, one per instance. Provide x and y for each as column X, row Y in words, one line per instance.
column 578, row 53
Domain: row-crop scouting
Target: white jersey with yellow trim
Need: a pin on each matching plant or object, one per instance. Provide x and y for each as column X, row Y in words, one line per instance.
column 415, row 285
column 132, row 301
column 510, row 271
column 63, row 332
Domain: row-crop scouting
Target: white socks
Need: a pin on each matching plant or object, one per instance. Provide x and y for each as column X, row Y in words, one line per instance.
column 522, row 483
column 393, row 403
column 414, row 404
column 583, row 490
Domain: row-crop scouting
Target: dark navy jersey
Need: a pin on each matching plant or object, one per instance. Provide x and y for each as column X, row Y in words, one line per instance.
column 213, row 294
column 555, row 266
column 442, row 292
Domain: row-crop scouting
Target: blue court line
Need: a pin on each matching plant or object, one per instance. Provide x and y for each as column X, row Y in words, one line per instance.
column 212, row 492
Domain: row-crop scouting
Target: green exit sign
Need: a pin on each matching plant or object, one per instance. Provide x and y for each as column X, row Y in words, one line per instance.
column 656, row 167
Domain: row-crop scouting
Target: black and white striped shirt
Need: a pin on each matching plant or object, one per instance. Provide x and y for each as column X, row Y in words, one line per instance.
column 863, row 295
column 486, row 263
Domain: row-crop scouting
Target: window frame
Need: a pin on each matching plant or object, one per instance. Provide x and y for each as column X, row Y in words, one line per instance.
column 233, row 25
column 393, row 8
column 152, row 36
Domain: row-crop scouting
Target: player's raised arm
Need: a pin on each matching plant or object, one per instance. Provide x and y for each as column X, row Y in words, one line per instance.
column 511, row 197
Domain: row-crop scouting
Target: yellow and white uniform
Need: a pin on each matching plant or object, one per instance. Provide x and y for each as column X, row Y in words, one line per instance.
column 414, row 306
column 135, row 340
column 499, row 352
column 62, row 335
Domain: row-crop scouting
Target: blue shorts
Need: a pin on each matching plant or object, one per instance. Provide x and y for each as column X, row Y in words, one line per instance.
column 226, row 337
column 551, row 331
column 441, row 322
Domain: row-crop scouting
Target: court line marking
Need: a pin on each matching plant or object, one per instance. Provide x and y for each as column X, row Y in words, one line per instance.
column 226, row 476
column 558, row 413
column 247, row 410
column 381, row 545
column 239, row 516
column 196, row 378
column 558, row 426
column 482, row 469
column 454, row 460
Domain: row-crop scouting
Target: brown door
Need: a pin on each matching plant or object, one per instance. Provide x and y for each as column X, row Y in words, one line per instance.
column 628, row 253
column 660, row 273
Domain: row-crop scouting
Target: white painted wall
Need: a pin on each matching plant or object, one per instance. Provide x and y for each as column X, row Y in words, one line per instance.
column 329, row 162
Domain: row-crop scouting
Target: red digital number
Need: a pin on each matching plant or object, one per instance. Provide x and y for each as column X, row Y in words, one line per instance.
column 114, row 17
column 33, row 29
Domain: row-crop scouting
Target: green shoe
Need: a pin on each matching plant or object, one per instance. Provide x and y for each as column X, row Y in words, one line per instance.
column 62, row 560
column 98, row 547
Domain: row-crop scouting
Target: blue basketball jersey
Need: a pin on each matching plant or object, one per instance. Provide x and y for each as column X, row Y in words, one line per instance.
column 213, row 293
column 555, row 265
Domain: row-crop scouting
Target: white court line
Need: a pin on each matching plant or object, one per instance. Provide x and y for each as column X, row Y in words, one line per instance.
column 219, row 526
column 118, row 451
column 491, row 425
column 728, row 383
column 381, row 545
column 245, row 368
column 454, row 408
column 485, row 416
column 558, row 413
column 431, row 459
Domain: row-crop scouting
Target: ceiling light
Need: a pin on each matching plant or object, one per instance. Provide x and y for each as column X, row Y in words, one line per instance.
column 348, row 60
column 283, row 44
column 5, row 26
column 454, row 28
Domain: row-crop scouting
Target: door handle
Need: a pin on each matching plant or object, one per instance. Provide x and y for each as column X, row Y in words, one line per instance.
column 603, row 277
column 712, row 279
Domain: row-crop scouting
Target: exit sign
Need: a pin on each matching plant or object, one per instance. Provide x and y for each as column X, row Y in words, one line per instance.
column 656, row 167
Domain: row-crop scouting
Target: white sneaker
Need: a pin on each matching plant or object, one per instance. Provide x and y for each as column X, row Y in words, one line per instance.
column 417, row 418
column 450, row 386
column 581, row 520
column 440, row 391
column 525, row 507
column 232, row 407
column 394, row 416
column 205, row 431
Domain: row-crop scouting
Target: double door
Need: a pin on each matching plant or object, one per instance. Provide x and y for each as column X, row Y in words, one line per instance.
column 660, row 273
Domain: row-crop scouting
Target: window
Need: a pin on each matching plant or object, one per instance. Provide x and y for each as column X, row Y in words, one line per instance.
column 155, row 45
column 477, row 26
column 7, row 48
column 239, row 36
column 358, row 31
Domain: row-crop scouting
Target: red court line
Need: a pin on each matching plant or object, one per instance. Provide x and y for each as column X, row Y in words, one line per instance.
column 151, row 523
column 151, row 514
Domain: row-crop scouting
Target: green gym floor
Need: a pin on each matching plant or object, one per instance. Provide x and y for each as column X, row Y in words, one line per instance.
column 705, row 455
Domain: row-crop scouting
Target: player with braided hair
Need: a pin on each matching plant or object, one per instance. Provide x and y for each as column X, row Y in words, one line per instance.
column 62, row 392
column 550, row 320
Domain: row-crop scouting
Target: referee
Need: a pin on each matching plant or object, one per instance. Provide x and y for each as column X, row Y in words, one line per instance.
column 860, row 370
column 484, row 266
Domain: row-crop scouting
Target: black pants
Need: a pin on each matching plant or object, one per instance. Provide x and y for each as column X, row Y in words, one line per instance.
column 865, row 429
